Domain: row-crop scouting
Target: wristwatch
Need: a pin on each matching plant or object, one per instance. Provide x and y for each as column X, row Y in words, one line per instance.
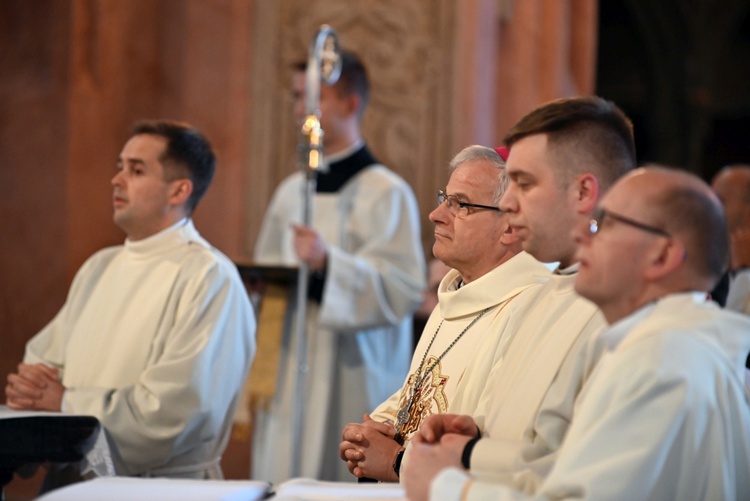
column 397, row 462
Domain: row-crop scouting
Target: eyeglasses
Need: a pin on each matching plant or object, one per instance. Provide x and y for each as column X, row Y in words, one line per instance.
column 458, row 208
column 595, row 225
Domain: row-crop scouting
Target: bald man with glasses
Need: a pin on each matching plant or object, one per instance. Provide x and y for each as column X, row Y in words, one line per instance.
column 479, row 302
column 665, row 413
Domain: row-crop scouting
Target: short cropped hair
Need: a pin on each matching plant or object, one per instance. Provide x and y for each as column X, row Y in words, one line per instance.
column 697, row 216
column 188, row 155
column 587, row 134
column 476, row 153
column 353, row 79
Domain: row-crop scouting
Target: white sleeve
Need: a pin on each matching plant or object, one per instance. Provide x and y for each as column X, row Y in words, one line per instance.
column 381, row 282
column 178, row 400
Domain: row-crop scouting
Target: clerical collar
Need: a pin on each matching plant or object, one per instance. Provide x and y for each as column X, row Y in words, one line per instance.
column 341, row 170
column 455, row 284
column 178, row 234
column 179, row 224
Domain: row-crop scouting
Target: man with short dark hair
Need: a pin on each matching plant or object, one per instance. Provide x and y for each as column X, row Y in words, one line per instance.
column 157, row 335
column 367, row 267
column 665, row 412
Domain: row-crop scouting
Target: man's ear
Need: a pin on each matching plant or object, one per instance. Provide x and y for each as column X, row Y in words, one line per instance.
column 353, row 103
column 667, row 257
column 181, row 189
column 587, row 192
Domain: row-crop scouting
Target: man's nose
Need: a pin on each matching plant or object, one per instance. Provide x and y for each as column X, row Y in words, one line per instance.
column 439, row 214
column 507, row 202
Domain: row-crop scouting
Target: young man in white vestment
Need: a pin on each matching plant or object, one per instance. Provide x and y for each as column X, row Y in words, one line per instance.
column 479, row 303
column 157, row 335
column 563, row 156
column 368, row 273
column 665, row 414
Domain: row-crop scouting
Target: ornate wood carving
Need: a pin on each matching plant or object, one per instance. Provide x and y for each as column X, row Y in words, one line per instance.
column 407, row 48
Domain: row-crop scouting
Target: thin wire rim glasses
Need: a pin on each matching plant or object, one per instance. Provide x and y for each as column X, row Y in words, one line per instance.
column 455, row 205
column 595, row 224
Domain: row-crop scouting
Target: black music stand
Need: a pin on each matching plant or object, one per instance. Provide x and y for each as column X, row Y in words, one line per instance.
column 45, row 438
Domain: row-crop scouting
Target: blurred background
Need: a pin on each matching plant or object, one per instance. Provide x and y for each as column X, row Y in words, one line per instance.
column 75, row 74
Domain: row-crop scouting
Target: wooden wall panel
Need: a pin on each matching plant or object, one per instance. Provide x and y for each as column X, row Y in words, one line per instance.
column 546, row 50
column 33, row 149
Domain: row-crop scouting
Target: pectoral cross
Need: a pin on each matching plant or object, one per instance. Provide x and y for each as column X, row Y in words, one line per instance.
column 404, row 414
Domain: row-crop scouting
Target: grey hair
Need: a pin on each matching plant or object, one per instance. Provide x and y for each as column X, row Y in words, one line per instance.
column 476, row 153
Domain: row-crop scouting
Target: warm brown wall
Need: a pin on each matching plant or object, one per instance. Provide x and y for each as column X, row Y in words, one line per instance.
column 184, row 60
column 33, row 147
column 546, row 50
column 74, row 76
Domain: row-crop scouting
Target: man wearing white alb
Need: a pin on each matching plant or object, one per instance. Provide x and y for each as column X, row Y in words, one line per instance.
column 367, row 268
column 157, row 336
column 480, row 303
column 665, row 413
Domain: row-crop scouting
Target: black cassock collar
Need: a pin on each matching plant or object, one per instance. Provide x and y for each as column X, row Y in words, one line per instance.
column 342, row 171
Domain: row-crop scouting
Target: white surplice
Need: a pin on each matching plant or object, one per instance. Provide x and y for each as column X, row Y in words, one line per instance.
column 155, row 339
column 664, row 415
column 360, row 335
column 458, row 382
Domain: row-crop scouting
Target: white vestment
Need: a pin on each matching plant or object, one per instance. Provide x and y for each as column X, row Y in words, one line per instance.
column 664, row 415
column 360, row 335
column 533, row 391
column 155, row 339
column 458, row 382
